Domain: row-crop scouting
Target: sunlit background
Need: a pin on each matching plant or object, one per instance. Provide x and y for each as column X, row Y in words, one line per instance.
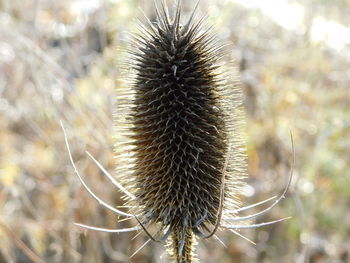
column 59, row 61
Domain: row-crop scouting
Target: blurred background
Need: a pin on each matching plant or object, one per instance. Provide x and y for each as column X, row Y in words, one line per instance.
column 58, row 61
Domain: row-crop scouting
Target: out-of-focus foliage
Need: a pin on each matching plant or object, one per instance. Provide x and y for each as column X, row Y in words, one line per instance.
column 60, row 60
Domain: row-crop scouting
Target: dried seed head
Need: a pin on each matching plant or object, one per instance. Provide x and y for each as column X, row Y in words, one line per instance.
column 178, row 122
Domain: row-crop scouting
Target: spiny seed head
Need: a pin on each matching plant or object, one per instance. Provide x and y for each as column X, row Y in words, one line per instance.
column 181, row 117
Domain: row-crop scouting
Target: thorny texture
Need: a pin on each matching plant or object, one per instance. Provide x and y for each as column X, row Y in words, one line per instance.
column 183, row 119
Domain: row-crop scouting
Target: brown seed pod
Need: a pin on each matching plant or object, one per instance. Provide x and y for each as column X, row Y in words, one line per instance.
column 185, row 156
column 179, row 148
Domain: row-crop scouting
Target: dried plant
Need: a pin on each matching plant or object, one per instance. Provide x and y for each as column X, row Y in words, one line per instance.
column 180, row 149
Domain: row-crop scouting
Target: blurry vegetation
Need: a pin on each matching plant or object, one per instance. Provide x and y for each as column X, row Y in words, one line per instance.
column 59, row 61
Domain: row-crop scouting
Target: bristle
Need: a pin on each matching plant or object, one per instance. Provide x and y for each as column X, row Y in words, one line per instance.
column 176, row 23
column 183, row 115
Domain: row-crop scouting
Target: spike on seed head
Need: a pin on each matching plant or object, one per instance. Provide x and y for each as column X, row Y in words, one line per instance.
column 183, row 155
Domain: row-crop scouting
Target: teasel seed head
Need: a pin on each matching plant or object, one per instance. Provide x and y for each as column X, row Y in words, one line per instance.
column 178, row 123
